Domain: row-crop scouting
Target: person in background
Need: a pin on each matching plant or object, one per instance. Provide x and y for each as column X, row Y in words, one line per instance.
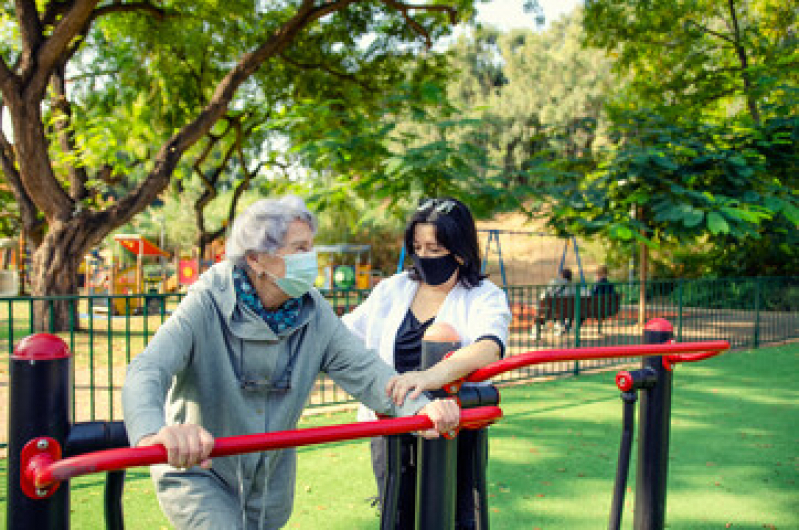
column 444, row 285
column 559, row 287
column 240, row 355
column 603, row 293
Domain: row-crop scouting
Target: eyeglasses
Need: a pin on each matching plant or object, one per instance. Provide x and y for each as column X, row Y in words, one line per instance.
column 251, row 385
column 442, row 206
column 281, row 385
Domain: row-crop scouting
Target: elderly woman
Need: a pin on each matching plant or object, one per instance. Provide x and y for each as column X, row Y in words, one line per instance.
column 240, row 355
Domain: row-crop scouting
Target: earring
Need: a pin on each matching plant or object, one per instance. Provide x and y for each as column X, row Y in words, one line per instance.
column 261, row 274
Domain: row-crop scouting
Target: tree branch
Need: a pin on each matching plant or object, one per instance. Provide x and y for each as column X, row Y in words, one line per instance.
column 172, row 151
column 405, row 8
column 73, row 23
column 30, row 29
column 709, row 31
column 27, row 209
column 145, row 7
column 324, row 68
column 77, row 172
column 9, row 83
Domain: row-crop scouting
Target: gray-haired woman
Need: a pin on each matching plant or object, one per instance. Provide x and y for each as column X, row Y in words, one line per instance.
column 240, row 355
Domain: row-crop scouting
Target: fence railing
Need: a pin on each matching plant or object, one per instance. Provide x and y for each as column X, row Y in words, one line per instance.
column 104, row 333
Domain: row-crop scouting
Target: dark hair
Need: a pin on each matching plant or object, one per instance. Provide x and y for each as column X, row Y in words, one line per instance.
column 566, row 273
column 455, row 231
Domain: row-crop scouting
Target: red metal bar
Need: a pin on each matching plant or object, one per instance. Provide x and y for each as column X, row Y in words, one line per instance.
column 43, row 476
column 707, row 349
column 671, row 360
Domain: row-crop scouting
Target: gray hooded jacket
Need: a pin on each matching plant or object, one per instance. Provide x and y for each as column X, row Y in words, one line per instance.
column 193, row 371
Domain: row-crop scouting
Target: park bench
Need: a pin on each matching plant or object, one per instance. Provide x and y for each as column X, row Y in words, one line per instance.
column 561, row 308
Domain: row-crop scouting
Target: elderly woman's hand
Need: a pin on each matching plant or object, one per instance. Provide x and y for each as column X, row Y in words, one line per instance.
column 186, row 445
column 445, row 415
column 415, row 383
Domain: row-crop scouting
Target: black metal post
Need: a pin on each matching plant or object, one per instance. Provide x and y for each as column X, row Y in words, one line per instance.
column 391, row 486
column 436, row 486
column 623, row 467
column 473, row 456
column 653, row 435
column 39, row 404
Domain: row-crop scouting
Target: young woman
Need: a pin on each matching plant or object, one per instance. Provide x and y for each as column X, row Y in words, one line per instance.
column 444, row 285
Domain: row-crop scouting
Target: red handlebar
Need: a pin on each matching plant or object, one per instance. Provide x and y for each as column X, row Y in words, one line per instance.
column 42, row 471
column 706, row 349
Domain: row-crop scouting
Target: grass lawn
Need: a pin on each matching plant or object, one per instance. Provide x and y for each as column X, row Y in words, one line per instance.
column 734, row 460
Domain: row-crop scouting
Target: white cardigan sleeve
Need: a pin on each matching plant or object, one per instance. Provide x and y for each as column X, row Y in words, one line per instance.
column 489, row 314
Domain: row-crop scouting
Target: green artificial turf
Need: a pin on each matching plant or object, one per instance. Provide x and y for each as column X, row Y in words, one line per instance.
column 733, row 458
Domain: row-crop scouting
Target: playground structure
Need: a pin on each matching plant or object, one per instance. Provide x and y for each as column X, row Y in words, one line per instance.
column 123, row 284
column 40, row 431
column 337, row 272
column 10, row 264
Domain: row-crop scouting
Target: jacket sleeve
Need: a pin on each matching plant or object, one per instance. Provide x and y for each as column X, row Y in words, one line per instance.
column 362, row 373
column 490, row 315
column 150, row 373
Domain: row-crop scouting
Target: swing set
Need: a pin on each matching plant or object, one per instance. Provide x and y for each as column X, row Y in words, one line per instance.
column 493, row 243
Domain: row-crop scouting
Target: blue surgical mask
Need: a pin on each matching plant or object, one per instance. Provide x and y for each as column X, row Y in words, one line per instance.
column 301, row 272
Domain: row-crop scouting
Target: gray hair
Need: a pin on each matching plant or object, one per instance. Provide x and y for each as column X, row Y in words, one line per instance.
column 262, row 227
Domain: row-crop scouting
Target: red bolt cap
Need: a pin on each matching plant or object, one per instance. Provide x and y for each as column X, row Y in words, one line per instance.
column 624, row 381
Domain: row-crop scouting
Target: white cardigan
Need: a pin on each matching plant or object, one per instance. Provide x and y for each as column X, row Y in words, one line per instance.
column 474, row 313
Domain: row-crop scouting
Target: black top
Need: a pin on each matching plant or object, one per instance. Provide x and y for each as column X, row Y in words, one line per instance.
column 408, row 344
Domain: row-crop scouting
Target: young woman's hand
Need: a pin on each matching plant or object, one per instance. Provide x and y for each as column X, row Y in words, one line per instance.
column 186, row 445
column 414, row 382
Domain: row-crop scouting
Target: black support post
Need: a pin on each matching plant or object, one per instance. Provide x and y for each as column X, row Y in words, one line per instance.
column 39, row 404
column 436, row 487
column 653, row 435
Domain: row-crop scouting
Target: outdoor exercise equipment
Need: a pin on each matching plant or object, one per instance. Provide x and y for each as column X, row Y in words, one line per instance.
column 464, row 456
column 40, row 430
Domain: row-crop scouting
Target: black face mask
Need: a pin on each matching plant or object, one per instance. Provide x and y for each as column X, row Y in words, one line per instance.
column 435, row 271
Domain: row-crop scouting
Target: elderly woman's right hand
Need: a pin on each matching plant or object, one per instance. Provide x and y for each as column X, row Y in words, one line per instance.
column 186, row 445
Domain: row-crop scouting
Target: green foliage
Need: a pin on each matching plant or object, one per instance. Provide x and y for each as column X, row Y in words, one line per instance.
column 535, row 95
column 768, row 294
column 9, row 218
column 678, row 183
column 697, row 58
column 404, row 149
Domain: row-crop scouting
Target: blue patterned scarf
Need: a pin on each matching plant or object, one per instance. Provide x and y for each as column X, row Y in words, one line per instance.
column 283, row 318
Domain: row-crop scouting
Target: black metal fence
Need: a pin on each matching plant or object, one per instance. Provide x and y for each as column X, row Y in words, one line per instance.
column 104, row 333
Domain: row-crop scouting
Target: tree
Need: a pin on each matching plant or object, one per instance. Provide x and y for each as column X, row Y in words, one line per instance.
column 694, row 58
column 535, row 94
column 45, row 162
column 728, row 185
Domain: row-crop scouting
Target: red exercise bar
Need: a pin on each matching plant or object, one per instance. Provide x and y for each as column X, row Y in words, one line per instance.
column 672, row 351
column 43, row 472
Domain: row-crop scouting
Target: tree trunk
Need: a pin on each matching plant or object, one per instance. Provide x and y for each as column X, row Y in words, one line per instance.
column 54, row 271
